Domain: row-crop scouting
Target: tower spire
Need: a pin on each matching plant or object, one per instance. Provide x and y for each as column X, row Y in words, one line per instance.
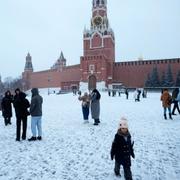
column 99, row 21
column 28, row 64
column 99, row 3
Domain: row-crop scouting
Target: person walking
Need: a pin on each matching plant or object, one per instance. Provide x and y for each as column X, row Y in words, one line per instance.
column 85, row 106
column 166, row 102
column 36, row 114
column 175, row 101
column 127, row 93
column 122, row 150
column 21, row 105
column 95, row 106
column 6, row 105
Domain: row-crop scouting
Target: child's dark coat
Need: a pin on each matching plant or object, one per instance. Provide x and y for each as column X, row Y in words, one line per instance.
column 122, row 149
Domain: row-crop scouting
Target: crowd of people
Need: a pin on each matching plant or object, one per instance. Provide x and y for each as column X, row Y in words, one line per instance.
column 23, row 108
column 122, row 145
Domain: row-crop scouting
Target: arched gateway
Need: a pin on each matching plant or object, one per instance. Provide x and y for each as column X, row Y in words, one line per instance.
column 92, row 82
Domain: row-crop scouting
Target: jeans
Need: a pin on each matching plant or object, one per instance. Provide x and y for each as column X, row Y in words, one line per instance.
column 85, row 111
column 36, row 123
column 169, row 109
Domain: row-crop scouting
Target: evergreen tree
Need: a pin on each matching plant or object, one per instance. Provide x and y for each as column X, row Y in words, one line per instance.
column 169, row 77
column 163, row 80
column 148, row 81
column 155, row 78
column 178, row 79
column 1, row 86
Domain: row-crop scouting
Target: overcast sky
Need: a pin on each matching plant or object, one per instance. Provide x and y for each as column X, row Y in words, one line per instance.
column 44, row 28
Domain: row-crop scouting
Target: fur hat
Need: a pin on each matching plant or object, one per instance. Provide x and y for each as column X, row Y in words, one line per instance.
column 123, row 123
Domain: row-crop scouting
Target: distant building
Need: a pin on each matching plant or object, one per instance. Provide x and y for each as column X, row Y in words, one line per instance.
column 97, row 66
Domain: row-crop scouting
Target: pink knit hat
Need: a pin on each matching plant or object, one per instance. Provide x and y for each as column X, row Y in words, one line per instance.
column 123, row 123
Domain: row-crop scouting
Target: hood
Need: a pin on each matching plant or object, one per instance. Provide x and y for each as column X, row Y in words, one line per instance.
column 17, row 90
column 7, row 94
column 35, row 91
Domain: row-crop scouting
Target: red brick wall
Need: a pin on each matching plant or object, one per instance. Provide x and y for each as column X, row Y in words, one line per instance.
column 134, row 74
column 107, row 50
column 43, row 79
column 101, row 68
column 96, row 41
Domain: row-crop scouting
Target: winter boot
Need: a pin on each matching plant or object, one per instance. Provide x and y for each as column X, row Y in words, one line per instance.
column 170, row 117
column 117, row 173
column 165, row 117
column 39, row 138
column 32, row 139
column 96, row 122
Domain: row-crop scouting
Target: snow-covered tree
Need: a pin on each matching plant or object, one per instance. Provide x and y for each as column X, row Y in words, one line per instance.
column 163, row 80
column 169, row 77
column 155, row 78
column 178, row 79
column 148, row 81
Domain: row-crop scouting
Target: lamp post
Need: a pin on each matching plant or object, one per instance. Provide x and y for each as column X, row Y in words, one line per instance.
column 49, row 79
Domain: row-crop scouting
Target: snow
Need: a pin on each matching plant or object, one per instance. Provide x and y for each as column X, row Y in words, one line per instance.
column 72, row 150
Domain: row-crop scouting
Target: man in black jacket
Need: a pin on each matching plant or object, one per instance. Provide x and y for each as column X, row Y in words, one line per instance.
column 21, row 105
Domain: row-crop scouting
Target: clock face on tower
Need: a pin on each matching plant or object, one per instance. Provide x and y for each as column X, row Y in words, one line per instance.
column 97, row 20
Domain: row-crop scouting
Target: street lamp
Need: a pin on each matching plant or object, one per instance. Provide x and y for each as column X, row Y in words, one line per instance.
column 49, row 79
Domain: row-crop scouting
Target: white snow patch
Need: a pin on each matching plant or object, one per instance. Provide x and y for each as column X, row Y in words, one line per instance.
column 71, row 150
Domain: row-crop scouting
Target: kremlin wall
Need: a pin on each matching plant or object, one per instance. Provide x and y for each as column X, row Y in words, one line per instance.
column 97, row 67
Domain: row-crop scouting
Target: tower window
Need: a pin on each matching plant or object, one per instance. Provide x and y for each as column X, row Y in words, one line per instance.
column 91, row 68
column 97, row 2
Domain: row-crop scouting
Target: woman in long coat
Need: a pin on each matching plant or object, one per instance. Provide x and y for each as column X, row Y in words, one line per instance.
column 7, row 107
column 95, row 106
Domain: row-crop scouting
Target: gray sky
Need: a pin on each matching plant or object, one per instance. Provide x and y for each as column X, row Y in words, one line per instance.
column 45, row 27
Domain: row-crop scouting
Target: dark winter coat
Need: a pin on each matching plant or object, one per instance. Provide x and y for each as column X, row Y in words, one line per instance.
column 36, row 103
column 6, row 106
column 122, row 149
column 21, row 105
column 95, row 106
column 175, row 94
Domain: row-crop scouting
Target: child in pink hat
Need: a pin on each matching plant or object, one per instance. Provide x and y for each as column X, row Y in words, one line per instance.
column 122, row 150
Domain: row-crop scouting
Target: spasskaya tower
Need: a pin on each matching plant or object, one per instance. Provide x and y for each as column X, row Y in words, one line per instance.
column 98, row 49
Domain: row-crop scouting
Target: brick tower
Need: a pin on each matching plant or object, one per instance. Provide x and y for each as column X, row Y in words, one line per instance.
column 99, row 49
column 28, row 70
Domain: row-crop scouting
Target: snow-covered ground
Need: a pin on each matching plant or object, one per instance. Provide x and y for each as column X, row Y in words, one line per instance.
column 71, row 150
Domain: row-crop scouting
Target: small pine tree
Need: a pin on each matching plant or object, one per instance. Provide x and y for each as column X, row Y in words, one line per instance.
column 155, row 77
column 178, row 79
column 163, row 80
column 169, row 77
column 148, row 81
